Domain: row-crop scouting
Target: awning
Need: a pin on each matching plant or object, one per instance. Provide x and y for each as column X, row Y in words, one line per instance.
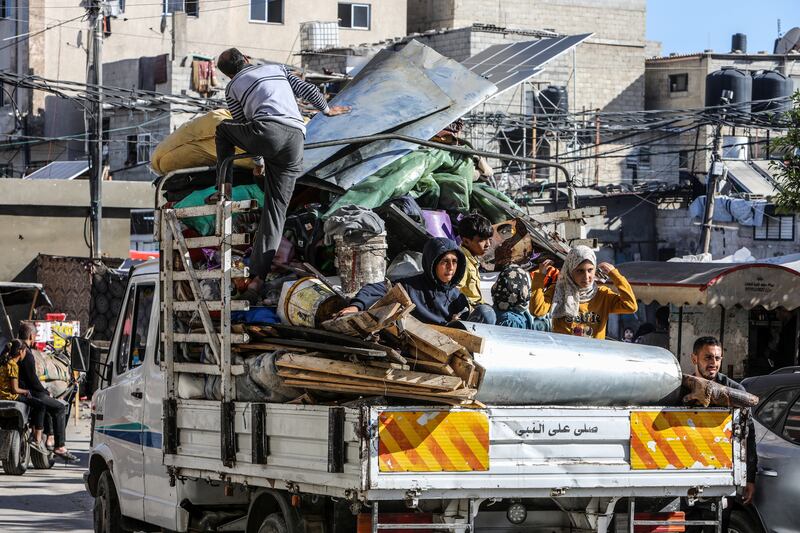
column 711, row 284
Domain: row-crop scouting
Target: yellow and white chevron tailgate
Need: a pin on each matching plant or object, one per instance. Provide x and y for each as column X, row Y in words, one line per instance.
column 434, row 441
column 681, row 440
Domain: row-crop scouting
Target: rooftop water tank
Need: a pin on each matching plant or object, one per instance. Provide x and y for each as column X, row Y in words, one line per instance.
column 740, row 85
column 769, row 85
column 552, row 100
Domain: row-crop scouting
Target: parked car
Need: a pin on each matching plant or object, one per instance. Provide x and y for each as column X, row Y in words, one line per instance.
column 777, row 424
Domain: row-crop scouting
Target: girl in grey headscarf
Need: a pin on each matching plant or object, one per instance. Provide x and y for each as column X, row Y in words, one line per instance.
column 576, row 303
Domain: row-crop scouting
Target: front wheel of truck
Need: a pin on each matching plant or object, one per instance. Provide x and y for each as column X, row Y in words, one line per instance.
column 274, row 523
column 107, row 516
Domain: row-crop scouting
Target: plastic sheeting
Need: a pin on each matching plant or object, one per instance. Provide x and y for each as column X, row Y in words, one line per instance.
column 419, row 174
column 727, row 209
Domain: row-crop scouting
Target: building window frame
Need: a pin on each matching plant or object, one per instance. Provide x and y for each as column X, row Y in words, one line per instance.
column 644, row 158
column 266, row 19
column 352, row 8
column 140, row 149
column 775, row 228
column 679, row 83
column 6, row 9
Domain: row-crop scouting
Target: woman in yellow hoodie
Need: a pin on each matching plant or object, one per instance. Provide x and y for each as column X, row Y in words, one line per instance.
column 579, row 306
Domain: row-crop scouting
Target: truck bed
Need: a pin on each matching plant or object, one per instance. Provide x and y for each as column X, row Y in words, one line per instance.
column 383, row 453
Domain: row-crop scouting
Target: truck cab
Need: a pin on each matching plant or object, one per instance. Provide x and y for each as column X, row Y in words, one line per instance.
column 127, row 424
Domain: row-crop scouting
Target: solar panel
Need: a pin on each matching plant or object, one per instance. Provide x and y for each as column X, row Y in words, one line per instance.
column 507, row 65
column 59, row 170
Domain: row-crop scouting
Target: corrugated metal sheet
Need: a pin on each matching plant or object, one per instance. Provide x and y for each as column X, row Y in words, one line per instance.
column 390, row 91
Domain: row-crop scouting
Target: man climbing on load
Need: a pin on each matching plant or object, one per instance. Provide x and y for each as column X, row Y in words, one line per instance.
column 266, row 122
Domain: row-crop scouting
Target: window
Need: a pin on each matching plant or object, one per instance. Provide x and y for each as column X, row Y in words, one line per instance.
column 683, row 160
column 5, row 9
column 266, row 11
column 171, row 6
column 791, row 428
column 772, row 410
column 135, row 326
column 6, row 170
column 775, row 228
column 192, row 8
column 678, row 83
column 356, row 16
column 644, row 158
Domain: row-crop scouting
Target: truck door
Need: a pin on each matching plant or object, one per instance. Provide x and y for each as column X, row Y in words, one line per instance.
column 161, row 500
column 124, row 398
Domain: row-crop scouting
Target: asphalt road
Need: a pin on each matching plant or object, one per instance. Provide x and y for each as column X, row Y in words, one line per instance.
column 50, row 500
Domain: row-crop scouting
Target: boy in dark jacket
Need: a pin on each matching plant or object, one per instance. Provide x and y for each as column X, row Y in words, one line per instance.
column 435, row 291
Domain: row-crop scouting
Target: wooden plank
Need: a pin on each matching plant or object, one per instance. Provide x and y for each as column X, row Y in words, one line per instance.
column 426, row 339
column 237, row 239
column 387, row 364
column 364, row 323
column 211, row 210
column 236, row 305
column 465, row 369
column 569, row 214
column 396, row 294
column 473, row 343
column 341, row 368
column 322, row 347
column 209, row 274
column 436, row 368
column 332, row 387
column 202, row 338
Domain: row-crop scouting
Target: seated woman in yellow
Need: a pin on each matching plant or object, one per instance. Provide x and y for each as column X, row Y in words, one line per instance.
column 575, row 302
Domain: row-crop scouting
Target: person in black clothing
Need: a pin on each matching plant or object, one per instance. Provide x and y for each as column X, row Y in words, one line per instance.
column 707, row 360
column 435, row 292
column 56, row 419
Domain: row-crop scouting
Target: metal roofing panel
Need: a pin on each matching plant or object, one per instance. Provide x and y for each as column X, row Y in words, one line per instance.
column 465, row 88
column 507, row 65
column 390, row 91
column 59, row 170
column 727, row 284
column 748, row 178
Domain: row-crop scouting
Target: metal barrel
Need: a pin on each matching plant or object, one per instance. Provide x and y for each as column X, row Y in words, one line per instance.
column 536, row 368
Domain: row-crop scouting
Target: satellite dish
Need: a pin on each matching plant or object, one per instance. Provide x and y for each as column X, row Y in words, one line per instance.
column 789, row 42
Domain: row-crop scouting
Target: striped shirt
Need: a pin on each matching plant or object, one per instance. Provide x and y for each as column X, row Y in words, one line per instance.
column 267, row 92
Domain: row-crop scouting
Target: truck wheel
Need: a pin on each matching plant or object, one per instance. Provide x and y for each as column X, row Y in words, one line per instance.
column 16, row 463
column 274, row 523
column 41, row 461
column 107, row 516
column 741, row 522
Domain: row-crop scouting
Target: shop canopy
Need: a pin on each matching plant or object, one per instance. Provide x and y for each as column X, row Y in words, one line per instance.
column 711, row 284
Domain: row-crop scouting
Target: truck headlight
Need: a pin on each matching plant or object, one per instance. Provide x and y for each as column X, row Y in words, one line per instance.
column 516, row 513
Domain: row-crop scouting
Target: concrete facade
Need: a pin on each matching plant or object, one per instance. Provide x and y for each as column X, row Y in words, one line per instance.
column 51, row 217
column 142, row 30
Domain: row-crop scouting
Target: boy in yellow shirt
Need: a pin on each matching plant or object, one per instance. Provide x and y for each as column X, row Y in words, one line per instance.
column 476, row 236
column 577, row 304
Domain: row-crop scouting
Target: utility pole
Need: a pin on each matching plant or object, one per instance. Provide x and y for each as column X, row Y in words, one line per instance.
column 714, row 172
column 94, row 76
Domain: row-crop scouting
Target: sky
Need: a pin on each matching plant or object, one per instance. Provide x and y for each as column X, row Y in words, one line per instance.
column 712, row 22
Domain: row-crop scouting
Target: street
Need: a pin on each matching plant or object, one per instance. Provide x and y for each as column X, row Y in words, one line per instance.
column 50, row 500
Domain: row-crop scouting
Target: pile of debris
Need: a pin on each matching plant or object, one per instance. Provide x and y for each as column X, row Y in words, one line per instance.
column 382, row 351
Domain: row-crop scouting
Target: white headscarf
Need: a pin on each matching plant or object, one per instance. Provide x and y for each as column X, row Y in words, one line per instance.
column 568, row 295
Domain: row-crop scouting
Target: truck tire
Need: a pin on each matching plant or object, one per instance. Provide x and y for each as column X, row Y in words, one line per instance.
column 107, row 517
column 274, row 523
column 41, row 461
column 741, row 522
column 101, row 304
column 16, row 462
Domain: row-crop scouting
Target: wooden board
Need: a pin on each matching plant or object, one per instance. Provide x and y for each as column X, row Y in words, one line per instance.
column 396, row 294
column 473, row 343
column 319, row 346
column 430, row 366
column 341, row 368
column 364, row 323
column 426, row 339
column 333, row 387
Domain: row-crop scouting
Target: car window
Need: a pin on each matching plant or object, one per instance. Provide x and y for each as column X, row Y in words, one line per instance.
column 771, row 411
column 791, row 427
column 135, row 325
